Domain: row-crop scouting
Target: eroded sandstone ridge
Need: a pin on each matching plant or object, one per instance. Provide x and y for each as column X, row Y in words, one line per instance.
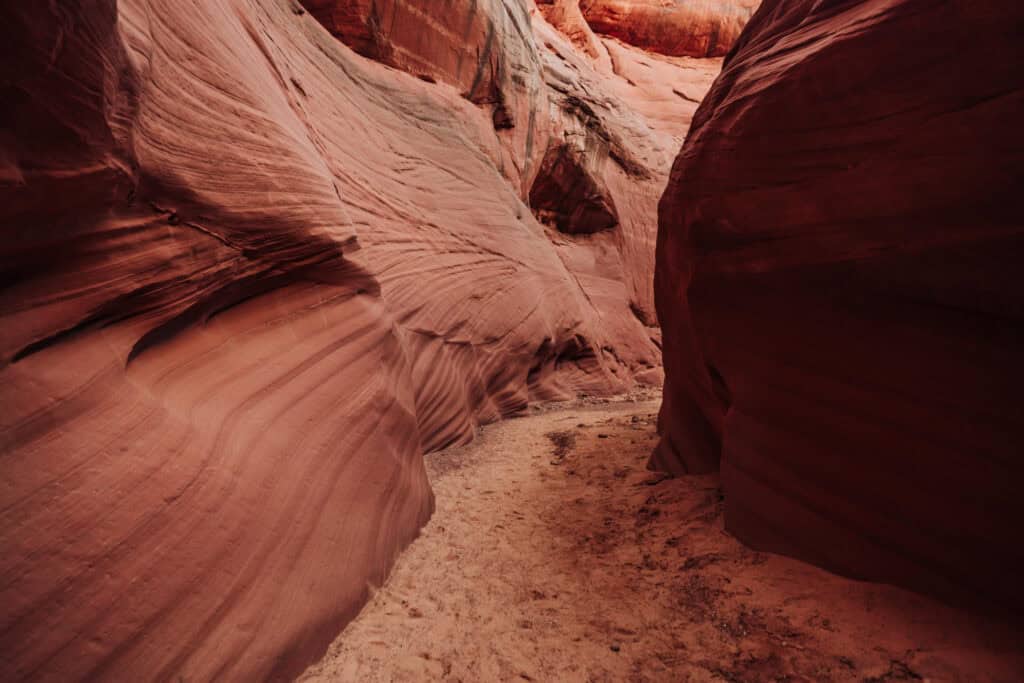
column 249, row 276
column 840, row 290
column 698, row 28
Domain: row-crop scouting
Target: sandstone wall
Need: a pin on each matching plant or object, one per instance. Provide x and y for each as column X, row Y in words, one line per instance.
column 839, row 285
column 249, row 277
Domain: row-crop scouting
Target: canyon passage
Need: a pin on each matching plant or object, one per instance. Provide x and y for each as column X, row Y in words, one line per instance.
column 566, row 559
column 511, row 340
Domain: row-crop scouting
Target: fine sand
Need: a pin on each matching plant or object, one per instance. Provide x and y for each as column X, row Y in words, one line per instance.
column 554, row 555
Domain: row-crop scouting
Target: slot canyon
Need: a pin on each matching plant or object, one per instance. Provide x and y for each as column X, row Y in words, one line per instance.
column 511, row 340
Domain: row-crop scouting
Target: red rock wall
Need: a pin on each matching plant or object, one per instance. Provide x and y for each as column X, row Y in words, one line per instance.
column 839, row 284
column 576, row 111
column 248, row 277
column 484, row 49
column 695, row 28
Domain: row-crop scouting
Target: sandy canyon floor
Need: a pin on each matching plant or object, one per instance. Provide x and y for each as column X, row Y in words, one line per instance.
column 554, row 555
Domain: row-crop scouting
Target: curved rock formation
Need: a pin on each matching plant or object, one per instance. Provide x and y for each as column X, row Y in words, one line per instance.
column 484, row 49
column 249, row 277
column 565, row 15
column 839, row 285
column 695, row 28
column 567, row 195
column 607, row 121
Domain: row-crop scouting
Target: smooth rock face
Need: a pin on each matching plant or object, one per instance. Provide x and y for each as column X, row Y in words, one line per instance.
column 483, row 48
column 839, row 284
column 249, row 277
column 695, row 28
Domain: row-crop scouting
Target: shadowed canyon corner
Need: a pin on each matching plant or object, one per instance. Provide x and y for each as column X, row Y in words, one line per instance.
column 511, row 340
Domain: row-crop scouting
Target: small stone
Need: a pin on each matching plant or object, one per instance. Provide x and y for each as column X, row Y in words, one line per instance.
column 616, row 647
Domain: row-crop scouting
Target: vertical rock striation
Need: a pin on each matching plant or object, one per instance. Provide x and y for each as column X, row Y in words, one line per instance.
column 839, row 285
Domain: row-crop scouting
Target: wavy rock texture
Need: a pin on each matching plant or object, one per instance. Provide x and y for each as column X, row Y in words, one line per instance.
column 615, row 121
column 249, row 277
column 483, row 48
column 839, row 284
column 695, row 28
column 560, row 118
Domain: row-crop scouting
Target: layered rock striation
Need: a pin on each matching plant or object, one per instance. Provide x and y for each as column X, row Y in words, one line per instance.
column 694, row 28
column 839, row 287
column 250, row 276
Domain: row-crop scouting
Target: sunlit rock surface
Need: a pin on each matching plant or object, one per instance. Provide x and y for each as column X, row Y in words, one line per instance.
column 695, row 28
